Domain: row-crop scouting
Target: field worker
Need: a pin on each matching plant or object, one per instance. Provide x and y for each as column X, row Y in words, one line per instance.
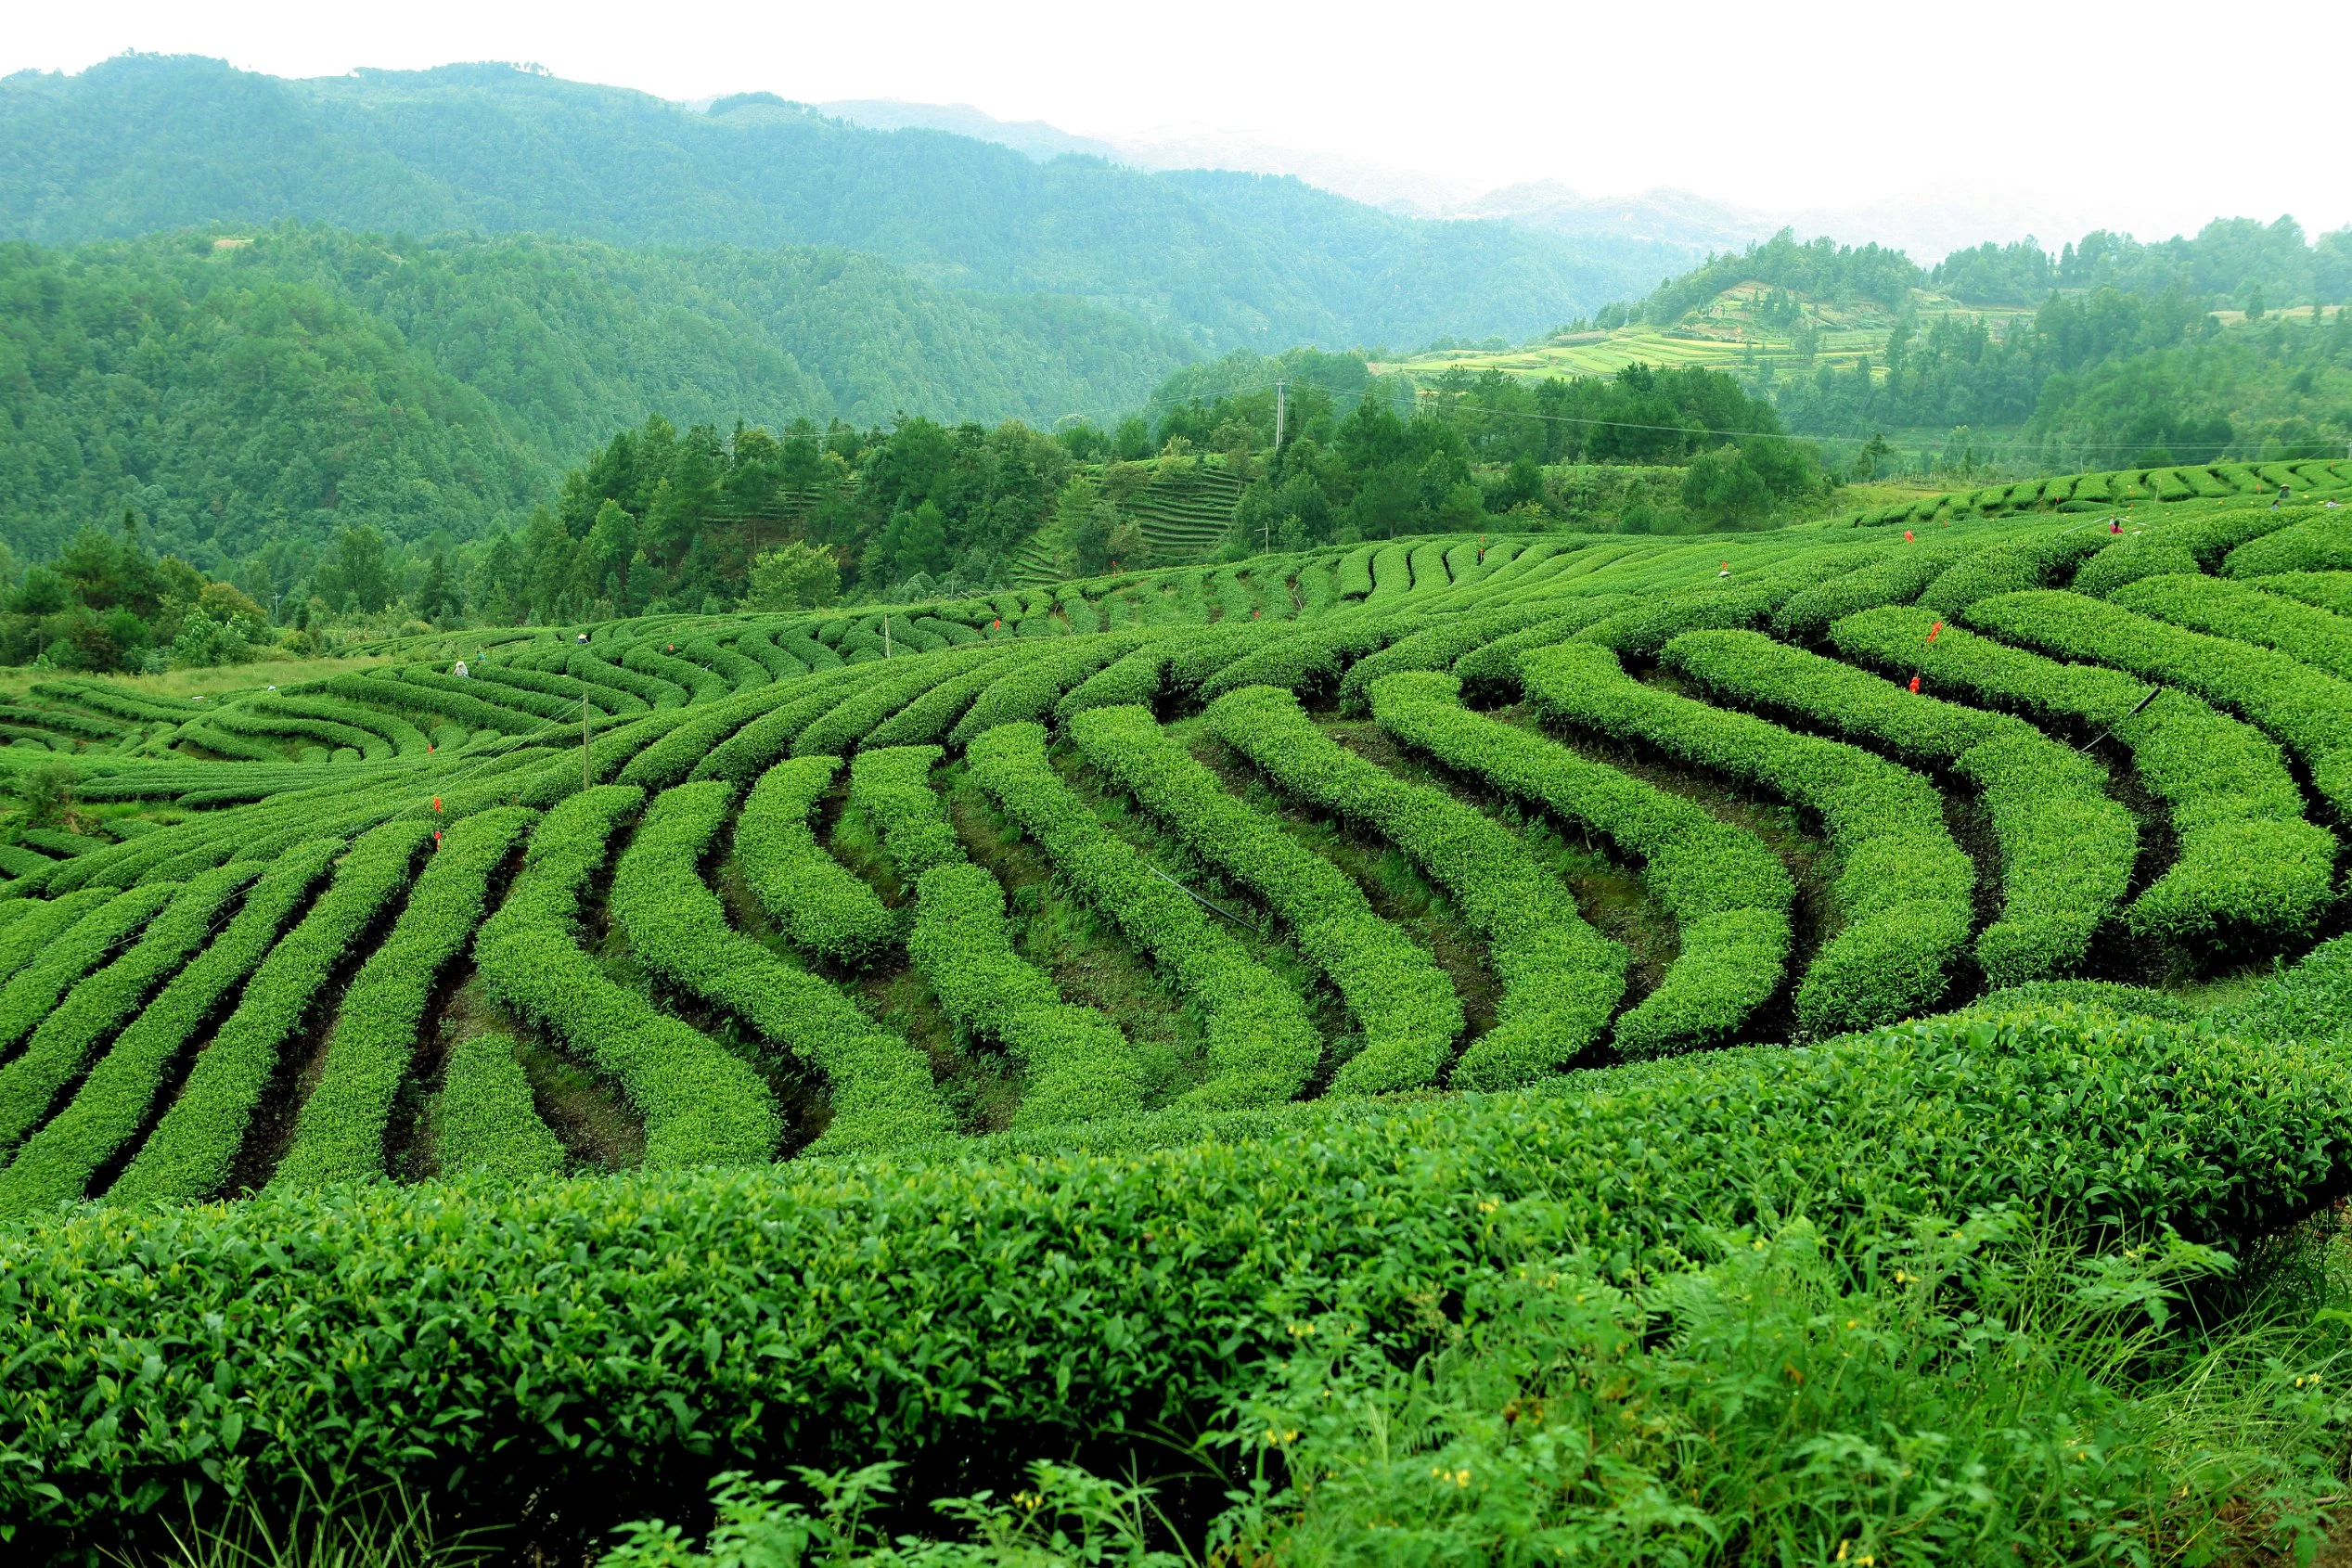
column 583, row 637
column 2114, row 525
column 459, row 671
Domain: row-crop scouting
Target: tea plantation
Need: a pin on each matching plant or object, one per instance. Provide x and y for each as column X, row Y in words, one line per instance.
column 1094, row 1023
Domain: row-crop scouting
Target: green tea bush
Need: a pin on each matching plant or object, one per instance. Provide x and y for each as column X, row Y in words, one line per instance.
column 820, row 905
column 2244, row 613
column 55, row 1164
column 263, row 723
column 2330, row 591
column 1319, row 589
column 881, row 1094
column 742, row 674
column 1352, row 573
column 2311, row 541
column 585, row 666
column 484, row 1124
column 1900, row 577
column 648, row 659
column 496, row 695
column 1014, row 1303
column 566, row 689
column 1903, row 887
column 59, row 1046
column 72, row 952
column 1435, row 647
column 759, row 645
column 1135, row 677
column 340, row 1133
column 752, row 749
column 892, row 787
column 1728, row 895
column 1560, row 979
column 701, row 1106
column 1260, row 1045
column 1403, row 1001
column 1077, row 1066
column 880, row 694
column 194, row 1149
column 1308, row 660
column 423, row 699
column 2005, row 568
column 674, row 756
column 2067, row 850
column 2308, row 712
column 2249, row 870
column 1493, row 667
column 1031, row 689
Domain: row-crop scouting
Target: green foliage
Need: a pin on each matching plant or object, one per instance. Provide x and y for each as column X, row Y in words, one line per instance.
column 820, row 905
column 340, row 1133
column 882, row 1092
column 797, row 575
column 892, row 786
column 2309, row 712
column 483, row 1121
column 954, row 1347
column 194, row 1149
column 1561, row 979
column 701, row 1106
column 1261, row 1047
column 1728, row 895
column 2242, row 613
column 1903, row 886
column 1403, row 1002
column 2249, row 869
column 2067, row 850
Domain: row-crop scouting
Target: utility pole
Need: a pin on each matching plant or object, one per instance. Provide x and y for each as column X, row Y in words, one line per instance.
column 584, row 782
column 885, row 635
column 1279, row 387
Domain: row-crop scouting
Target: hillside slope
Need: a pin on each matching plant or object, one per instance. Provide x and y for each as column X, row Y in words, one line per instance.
column 140, row 144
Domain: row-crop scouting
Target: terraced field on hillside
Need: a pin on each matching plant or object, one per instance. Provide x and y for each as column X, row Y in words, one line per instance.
column 1106, row 865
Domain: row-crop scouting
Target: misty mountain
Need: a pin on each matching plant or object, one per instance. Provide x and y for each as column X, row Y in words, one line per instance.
column 142, row 144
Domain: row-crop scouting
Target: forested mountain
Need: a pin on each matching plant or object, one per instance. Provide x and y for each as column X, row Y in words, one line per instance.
column 143, row 143
column 293, row 381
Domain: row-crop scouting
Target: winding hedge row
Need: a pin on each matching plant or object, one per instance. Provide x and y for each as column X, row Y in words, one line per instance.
column 1728, row 895
column 701, row 1106
column 821, row 906
column 585, row 666
column 1560, row 979
column 879, row 694
column 61, row 1043
column 340, row 1135
column 2314, row 543
column 2308, row 712
column 485, row 1124
column 194, row 1149
column 881, row 1091
column 2229, row 608
column 892, row 786
column 1406, row 1005
column 56, row 1162
column 76, row 949
column 1260, row 1045
column 2248, row 870
column 2067, row 850
column 1903, row 889
column 1030, row 690
column 698, row 684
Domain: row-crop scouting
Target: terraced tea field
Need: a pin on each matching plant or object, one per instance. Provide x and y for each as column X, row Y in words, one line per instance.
column 818, row 986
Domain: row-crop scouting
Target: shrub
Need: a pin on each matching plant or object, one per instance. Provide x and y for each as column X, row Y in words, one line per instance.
column 71, row 952
column 1392, row 575
column 1900, row 578
column 524, row 703
column 1407, row 1010
column 2306, row 542
column 2005, row 568
column 566, row 689
column 586, row 664
column 1560, row 978
column 2330, row 591
column 56, row 1162
column 821, row 906
column 2067, row 850
column 1077, row 1065
column 754, row 748
column 1436, row 648
column 2244, row 613
column 742, row 674
column 881, row 1091
column 647, row 658
column 60, row 1044
column 1493, row 666
column 702, row 1105
column 892, row 787
column 485, row 1124
column 265, row 723
column 1728, row 895
column 1352, row 574
column 1134, row 676
column 340, row 1133
column 879, row 695
column 1261, row 1047
column 194, row 1148
column 674, row 756
column 1748, row 598
column 760, row 644
column 1903, row 889
column 1018, row 1303
column 1031, row 689
column 2248, row 870
column 2310, row 712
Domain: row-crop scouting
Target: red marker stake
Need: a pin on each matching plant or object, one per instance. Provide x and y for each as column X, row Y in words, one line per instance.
column 1915, row 684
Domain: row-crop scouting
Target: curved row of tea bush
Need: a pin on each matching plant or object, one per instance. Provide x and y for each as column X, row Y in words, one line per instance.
column 2248, row 870
column 1560, row 979
column 1903, row 886
column 1728, row 895
column 340, row 1135
column 700, row 1105
column 1406, row 1005
column 483, row 1121
column 2309, row 712
column 820, row 905
column 1022, row 1303
column 2067, row 850
column 2229, row 608
column 1260, row 1045
column 881, row 1094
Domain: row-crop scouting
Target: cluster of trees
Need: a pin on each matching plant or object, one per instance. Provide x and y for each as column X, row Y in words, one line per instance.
column 2235, row 262
column 2100, row 380
column 108, row 604
column 1819, row 269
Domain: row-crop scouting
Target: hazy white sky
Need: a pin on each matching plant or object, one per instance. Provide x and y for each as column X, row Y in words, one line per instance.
column 2151, row 117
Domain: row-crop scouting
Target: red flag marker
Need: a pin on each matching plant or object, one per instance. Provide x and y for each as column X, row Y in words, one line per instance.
column 998, row 624
column 428, row 745
column 1915, row 683
column 1932, row 631
column 1906, row 534
column 436, row 803
column 436, row 835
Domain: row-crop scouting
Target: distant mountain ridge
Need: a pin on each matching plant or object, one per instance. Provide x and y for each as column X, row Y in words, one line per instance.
column 141, row 144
